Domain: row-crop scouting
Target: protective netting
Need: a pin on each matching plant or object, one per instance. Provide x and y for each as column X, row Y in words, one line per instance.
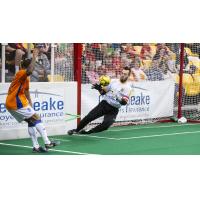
column 63, row 61
column 60, row 67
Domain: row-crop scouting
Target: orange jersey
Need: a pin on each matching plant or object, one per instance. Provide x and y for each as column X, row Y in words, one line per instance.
column 16, row 97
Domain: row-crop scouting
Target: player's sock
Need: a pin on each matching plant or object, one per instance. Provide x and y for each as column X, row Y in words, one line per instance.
column 42, row 130
column 32, row 133
column 16, row 69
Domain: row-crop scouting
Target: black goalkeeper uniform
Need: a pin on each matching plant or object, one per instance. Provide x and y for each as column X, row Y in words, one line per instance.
column 102, row 109
column 108, row 107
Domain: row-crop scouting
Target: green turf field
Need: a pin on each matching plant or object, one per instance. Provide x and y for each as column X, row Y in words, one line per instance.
column 153, row 139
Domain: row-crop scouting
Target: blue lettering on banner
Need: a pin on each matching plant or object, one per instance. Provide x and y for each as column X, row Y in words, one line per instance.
column 139, row 100
column 44, row 105
column 48, row 105
column 52, row 104
column 36, row 106
column 2, row 108
column 56, row 108
column 6, row 117
column 50, row 109
column 60, row 105
column 140, row 103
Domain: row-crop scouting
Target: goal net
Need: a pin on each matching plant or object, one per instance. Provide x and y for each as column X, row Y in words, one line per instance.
column 155, row 79
column 191, row 82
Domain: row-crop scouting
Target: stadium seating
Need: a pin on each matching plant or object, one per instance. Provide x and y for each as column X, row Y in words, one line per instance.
column 190, row 83
column 56, row 78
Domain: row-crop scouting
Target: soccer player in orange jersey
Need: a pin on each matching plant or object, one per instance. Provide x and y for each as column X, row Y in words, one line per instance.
column 19, row 104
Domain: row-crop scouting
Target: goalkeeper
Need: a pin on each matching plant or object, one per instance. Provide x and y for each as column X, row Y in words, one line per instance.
column 115, row 95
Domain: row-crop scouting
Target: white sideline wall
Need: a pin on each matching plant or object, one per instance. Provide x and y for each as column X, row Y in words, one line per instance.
column 51, row 100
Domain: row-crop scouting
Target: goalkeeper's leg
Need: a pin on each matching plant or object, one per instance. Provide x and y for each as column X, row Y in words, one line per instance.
column 107, row 122
column 95, row 113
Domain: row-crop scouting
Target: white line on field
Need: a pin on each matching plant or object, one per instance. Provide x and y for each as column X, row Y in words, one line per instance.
column 94, row 136
column 140, row 137
column 161, row 135
column 63, row 140
column 150, row 127
column 54, row 150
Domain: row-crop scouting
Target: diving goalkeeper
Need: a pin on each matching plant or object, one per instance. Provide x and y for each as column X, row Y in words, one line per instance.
column 115, row 95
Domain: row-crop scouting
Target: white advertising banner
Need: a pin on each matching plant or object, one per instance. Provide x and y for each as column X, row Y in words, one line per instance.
column 50, row 100
column 153, row 99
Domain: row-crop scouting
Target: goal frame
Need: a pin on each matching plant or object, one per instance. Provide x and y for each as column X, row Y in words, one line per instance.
column 78, row 77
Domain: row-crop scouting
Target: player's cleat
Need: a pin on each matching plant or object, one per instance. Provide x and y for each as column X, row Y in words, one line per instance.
column 52, row 144
column 71, row 132
column 39, row 150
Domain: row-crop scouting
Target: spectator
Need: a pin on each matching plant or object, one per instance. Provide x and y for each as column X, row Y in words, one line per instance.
column 14, row 54
column 146, row 53
column 186, row 60
column 154, row 73
column 171, row 63
column 89, row 57
column 162, row 46
column 96, row 50
column 129, row 48
column 42, row 66
column 167, row 65
column 160, row 51
column 175, row 48
column 137, row 74
column 108, row 61
column 116, row 46
column 44, row 47
column 125, row 60
column 116, row 59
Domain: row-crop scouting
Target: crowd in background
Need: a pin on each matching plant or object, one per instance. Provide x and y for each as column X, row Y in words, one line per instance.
column 63, row 61
column 148, row 61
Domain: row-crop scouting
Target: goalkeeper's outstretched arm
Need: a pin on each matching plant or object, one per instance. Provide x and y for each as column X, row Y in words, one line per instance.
column 102, row 90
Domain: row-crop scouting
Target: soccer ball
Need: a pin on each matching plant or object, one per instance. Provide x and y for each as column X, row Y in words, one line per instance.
column 104, row 80
column 182, row 120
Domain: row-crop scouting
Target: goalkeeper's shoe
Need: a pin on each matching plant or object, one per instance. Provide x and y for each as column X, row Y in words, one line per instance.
column 73, row 131
column 84, row 132
column 52, row 144
column 39, row 150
